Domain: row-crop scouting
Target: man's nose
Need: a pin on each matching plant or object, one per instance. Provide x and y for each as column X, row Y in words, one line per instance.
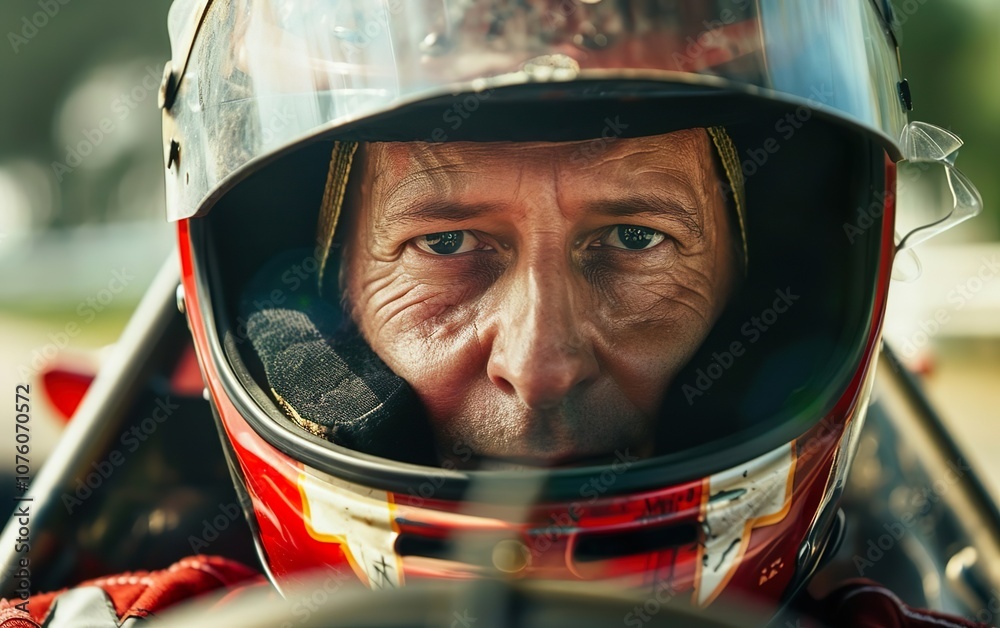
column 540, row 351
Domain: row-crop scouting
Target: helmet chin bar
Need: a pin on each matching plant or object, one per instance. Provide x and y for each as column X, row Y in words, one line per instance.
column 382, row 537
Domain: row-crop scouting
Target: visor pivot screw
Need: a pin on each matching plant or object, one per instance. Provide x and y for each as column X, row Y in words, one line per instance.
column 555, row 67
column 511, row 556
column 179, row 295
column 435, row 44
column 168, row 87
column 904, row 95
column 174, row 156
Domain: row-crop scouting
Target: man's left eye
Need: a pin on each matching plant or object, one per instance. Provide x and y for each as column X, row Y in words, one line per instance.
column 631, row 237
column 449, row 243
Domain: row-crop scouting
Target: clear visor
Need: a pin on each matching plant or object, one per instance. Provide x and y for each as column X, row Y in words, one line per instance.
column 253, row 77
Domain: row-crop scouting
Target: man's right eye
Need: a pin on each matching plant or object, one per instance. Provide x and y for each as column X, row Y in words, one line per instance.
column 449, row 243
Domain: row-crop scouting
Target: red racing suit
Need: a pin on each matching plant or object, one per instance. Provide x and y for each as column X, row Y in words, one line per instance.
column 126, row 599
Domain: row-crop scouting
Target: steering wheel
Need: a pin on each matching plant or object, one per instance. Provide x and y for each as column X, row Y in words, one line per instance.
column 478, row 603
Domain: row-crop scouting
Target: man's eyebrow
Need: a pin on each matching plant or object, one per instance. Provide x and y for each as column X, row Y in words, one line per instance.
column 638, row 204
column 630, row 205
column 435, row 210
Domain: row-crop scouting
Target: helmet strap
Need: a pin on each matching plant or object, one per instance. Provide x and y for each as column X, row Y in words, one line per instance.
column 730, row 159
column 333, row 201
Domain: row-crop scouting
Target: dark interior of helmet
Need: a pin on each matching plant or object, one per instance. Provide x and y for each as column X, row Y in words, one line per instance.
column 793, row 338
column 782, row 354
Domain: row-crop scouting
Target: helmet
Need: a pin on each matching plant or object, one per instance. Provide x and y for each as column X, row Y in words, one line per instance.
column 268, row 107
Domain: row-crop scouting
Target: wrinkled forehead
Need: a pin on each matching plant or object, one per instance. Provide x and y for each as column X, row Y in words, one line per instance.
column 394, row 170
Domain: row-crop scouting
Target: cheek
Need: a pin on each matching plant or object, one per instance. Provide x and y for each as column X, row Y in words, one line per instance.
column 681, row 299
column 443, row 370
column 392, row 297
column 644, row 363
column 655, row 327
column 424, row 330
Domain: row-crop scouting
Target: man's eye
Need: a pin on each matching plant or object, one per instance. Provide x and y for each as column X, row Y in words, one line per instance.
column 631, row 237
column 449, row 243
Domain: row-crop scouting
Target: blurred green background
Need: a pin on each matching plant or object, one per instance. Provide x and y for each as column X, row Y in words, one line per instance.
column 64, row 234
column 951, row 56
column 91, row 73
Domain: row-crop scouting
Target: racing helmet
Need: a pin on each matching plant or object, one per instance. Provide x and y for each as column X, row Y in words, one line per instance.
column 265, row 104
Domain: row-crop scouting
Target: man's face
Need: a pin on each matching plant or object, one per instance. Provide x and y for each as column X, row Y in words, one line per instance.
column 539, row 302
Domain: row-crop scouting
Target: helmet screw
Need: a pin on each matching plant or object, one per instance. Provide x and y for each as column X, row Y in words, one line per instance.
column 168, row 87
column 181, row 301
column 510, row 556
column 904, row 95
column 174, row 156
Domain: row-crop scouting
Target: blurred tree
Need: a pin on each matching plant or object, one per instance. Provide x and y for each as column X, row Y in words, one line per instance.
column 45, row 57
column 951, row 56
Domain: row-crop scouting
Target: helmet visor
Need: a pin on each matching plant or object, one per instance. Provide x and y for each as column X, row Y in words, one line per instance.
column 254, row 77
